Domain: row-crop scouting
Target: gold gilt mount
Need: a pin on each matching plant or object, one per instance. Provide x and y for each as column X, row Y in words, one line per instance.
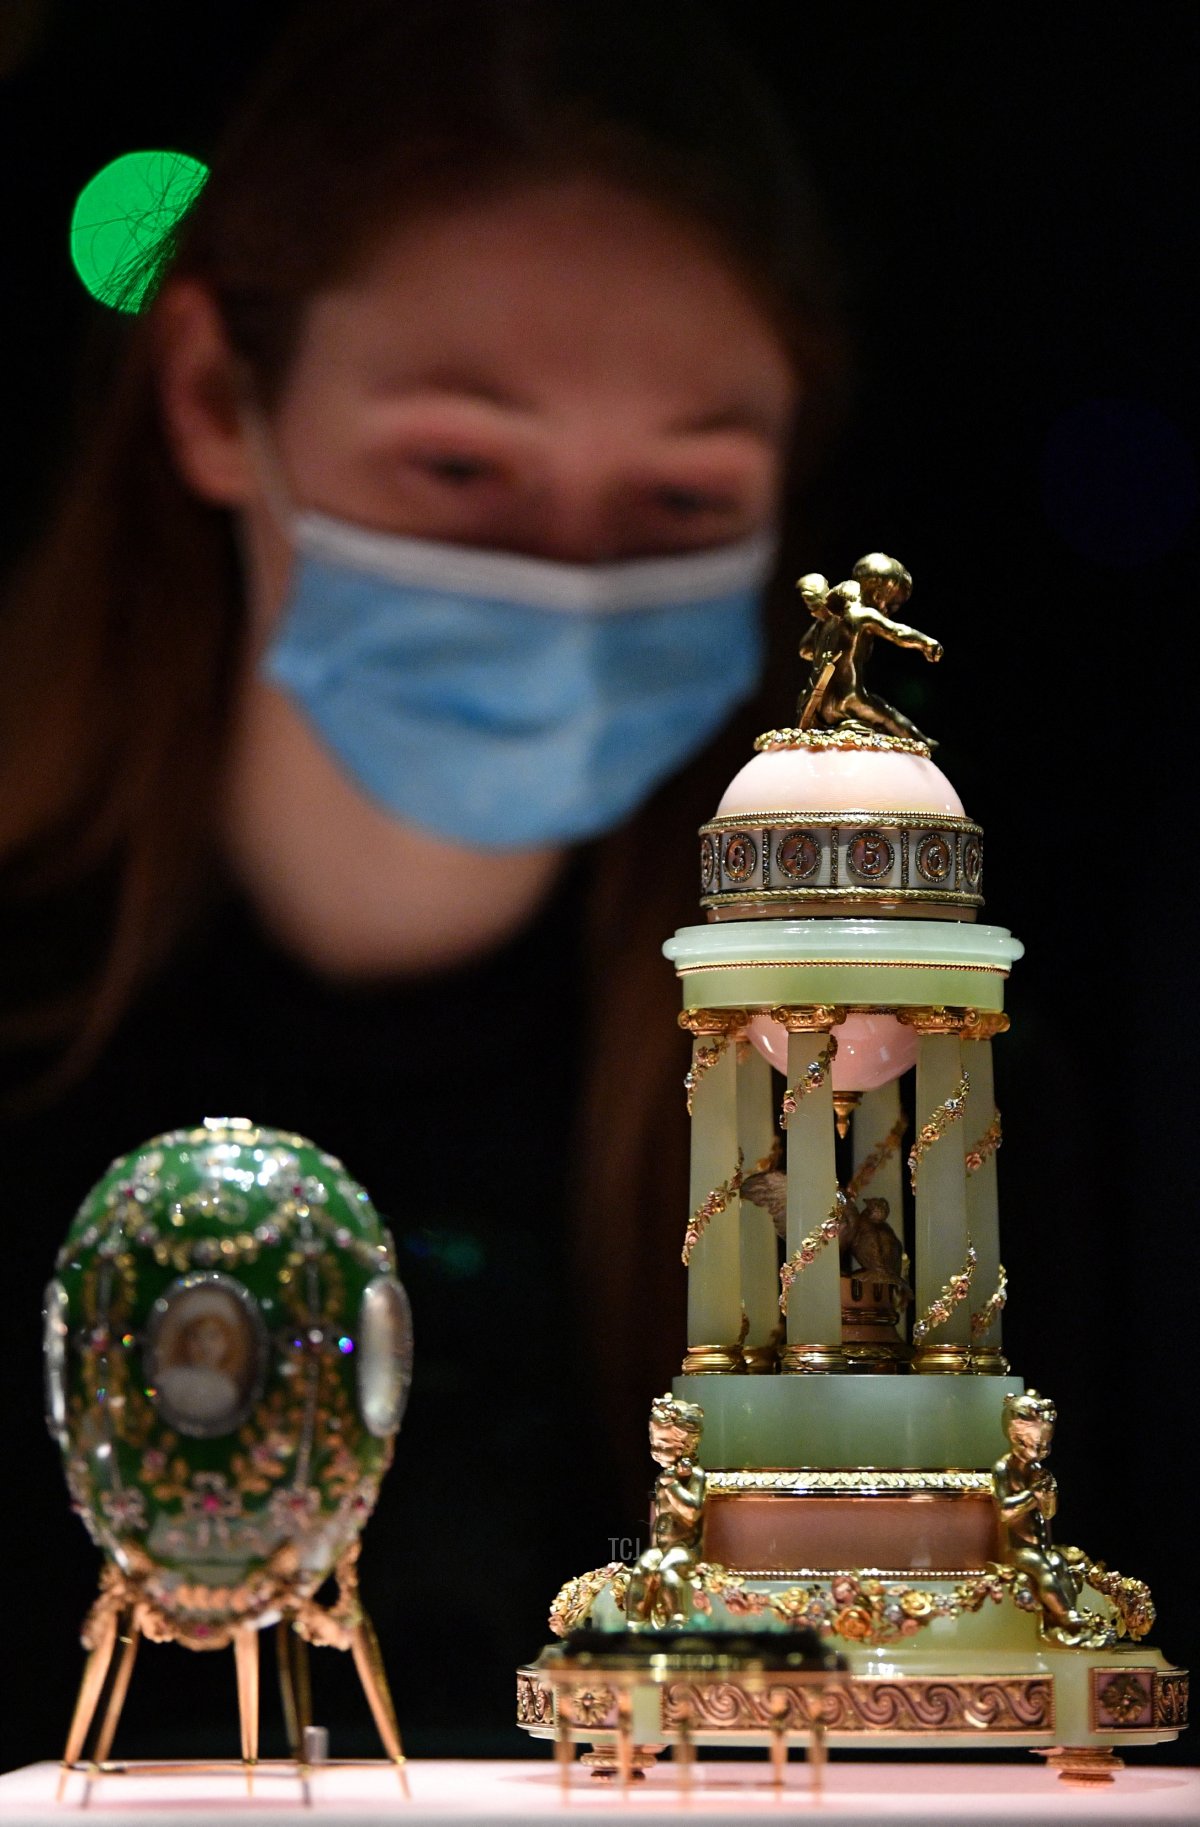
column 847, row 620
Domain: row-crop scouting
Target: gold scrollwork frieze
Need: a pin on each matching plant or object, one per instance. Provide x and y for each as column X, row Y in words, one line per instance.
column 995, row 1704
column 1012, row 1704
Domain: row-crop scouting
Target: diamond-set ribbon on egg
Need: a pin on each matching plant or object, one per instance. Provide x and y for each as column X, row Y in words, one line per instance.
column 814, row 1076
column 810, row 1248
column 709, row 1208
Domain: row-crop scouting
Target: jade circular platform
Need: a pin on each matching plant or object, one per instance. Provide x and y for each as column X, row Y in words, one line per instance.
column 897, row 963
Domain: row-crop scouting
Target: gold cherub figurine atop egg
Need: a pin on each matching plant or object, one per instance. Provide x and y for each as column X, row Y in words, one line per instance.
column 838, row 642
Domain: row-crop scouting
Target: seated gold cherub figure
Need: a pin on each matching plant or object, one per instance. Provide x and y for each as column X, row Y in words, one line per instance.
column 1026, row 1501
column 659, row 1595
column 838, row 642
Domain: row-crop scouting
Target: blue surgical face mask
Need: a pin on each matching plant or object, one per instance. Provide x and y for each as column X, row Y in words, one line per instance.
column 508, row 702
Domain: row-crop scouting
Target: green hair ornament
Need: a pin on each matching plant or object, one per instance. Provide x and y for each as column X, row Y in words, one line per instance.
column 124, row 222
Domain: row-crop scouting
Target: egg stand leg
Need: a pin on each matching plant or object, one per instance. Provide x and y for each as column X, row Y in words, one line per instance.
column 95, row 1673
column 295, row 1686
column 287, row 1689
column 245, row 1656
column 818, row 1754
column 777, row 1713
column 302, row 1676
column 295, row 1683
column 564, row 1754
column 364, row 1647
column 683, row 1751
column 624, row 1741
column 130, row 1637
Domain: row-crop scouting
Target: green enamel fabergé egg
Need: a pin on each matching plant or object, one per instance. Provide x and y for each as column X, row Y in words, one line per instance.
column 228, row 1355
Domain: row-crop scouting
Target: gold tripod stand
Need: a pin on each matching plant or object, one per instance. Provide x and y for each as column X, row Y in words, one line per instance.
column 124, row 1613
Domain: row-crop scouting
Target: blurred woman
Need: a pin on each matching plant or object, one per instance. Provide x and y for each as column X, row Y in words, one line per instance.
column 359, row 707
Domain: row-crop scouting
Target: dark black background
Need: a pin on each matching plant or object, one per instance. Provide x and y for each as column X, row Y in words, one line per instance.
column 1008, row 188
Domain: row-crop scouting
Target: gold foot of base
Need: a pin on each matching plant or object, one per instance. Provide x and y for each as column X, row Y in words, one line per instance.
column 942, row 1360
column 813, row 1360
column 713, row 1360
column 605, row 1763
column 1083, row 1763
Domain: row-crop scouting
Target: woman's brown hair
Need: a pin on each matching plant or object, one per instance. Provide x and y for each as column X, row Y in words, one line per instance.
column 124, row 634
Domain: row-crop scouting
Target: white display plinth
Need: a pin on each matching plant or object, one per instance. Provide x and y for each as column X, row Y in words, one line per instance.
column 460, row 1793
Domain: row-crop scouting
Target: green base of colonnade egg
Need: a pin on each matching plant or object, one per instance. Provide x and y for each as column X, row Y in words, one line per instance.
column 920, row 1423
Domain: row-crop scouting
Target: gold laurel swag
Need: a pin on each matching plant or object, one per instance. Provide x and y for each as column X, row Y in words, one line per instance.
column 933, row 1131
column 992, row 1307
column 573, row 1603
column 986, row 1146
column 710, row 1206
column 706, row 1055
column 882, row 1151
column 815, row 1074
column 856, row 1606
column 955, row 1290
column 1129, row 1598
column 281, row 1584
column 810, row 1248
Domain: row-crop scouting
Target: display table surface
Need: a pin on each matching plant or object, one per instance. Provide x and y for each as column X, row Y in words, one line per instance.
column 456, row 1793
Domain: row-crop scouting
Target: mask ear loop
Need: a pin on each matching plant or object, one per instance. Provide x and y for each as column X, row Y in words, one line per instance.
column 276, row 497
column 276, row 493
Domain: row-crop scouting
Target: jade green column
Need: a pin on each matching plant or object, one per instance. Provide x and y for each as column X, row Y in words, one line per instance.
column 712, row 1249
column 877, row 1152
column 940, row 1184
column 760, row 1244
column 982, row 1131
column 814, row 1298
